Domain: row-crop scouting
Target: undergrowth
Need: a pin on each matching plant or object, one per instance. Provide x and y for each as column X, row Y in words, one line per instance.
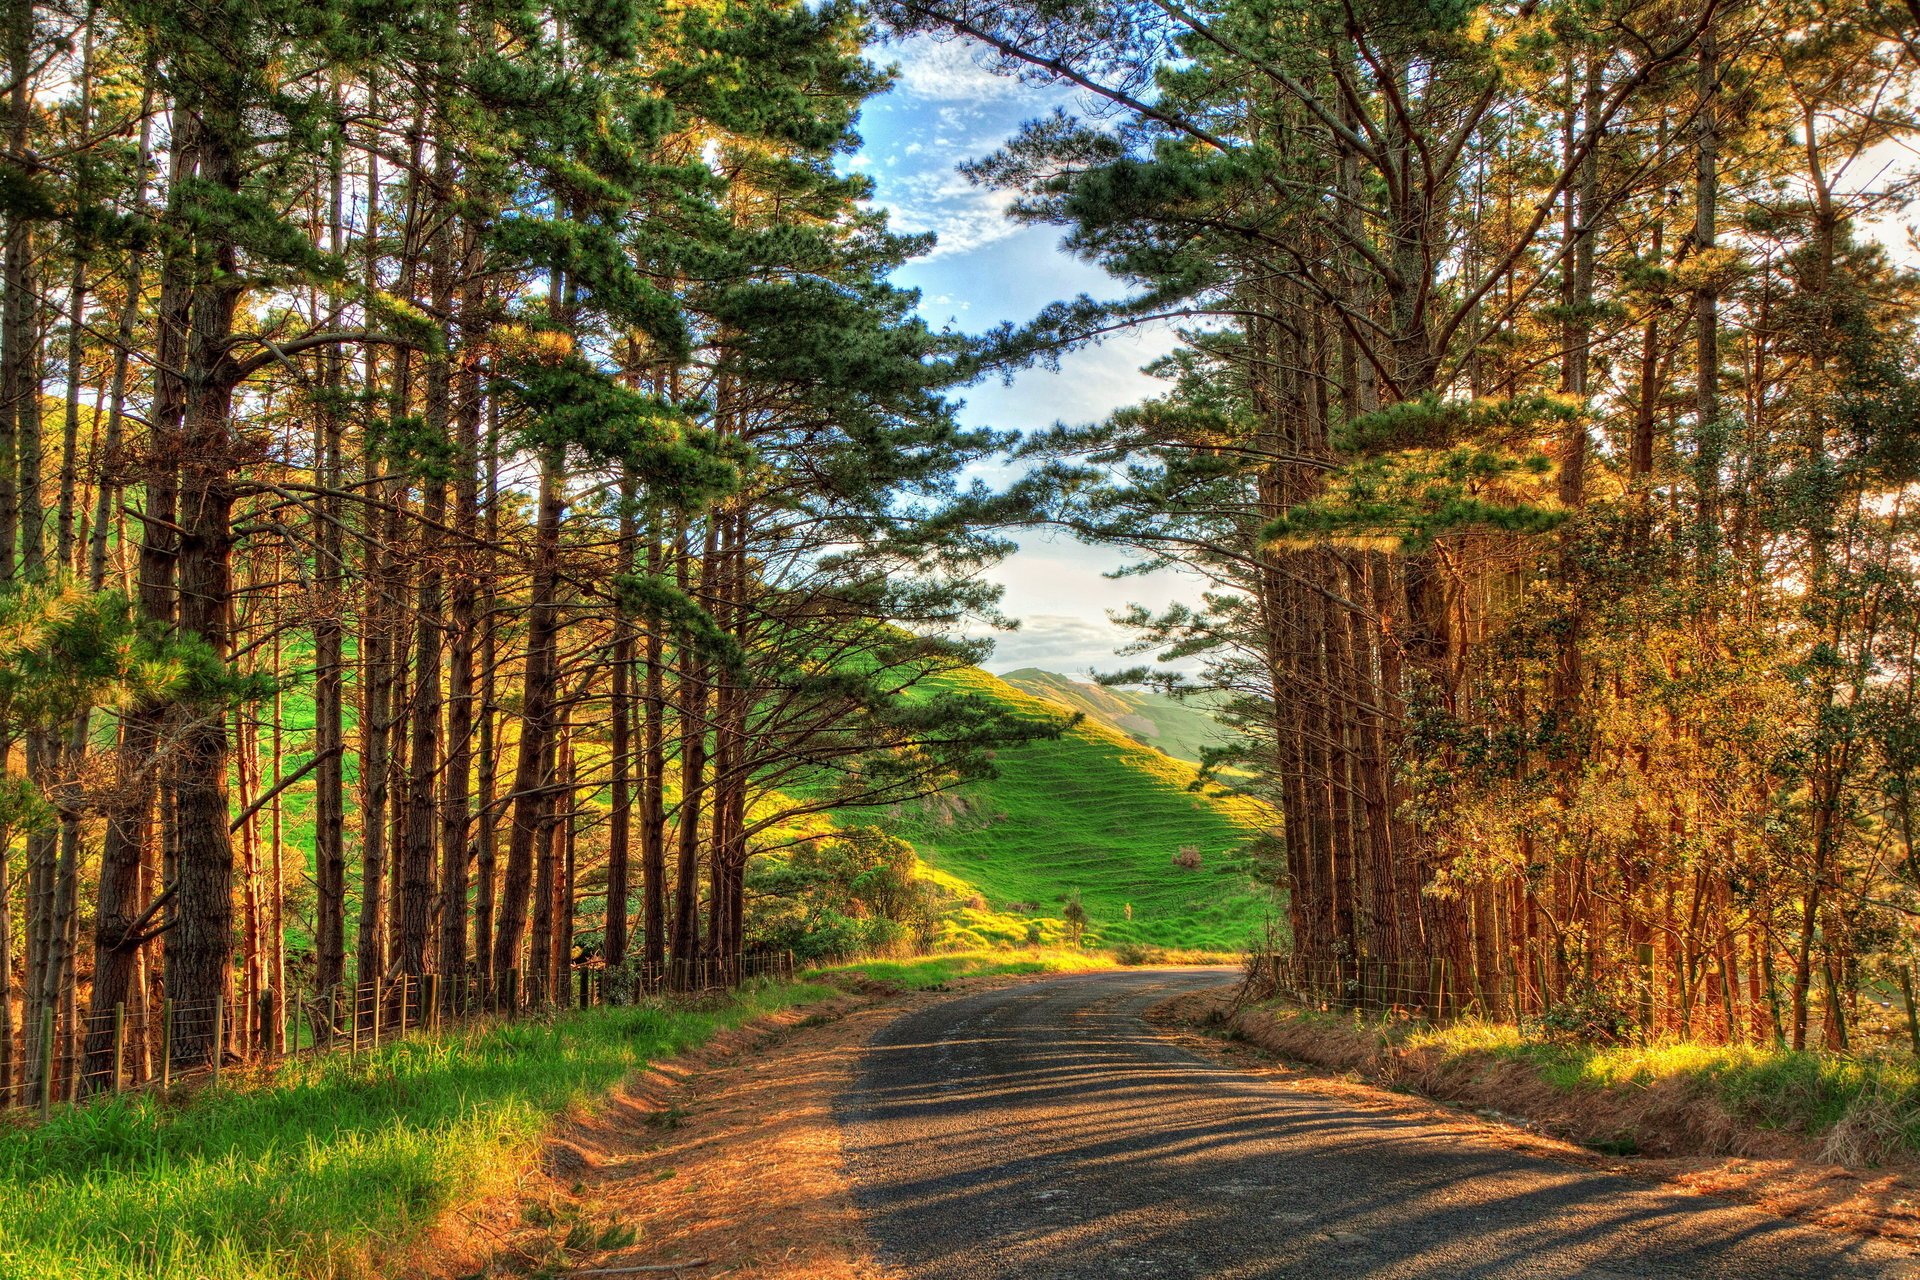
column 328, row 1164
column 1862, row 1108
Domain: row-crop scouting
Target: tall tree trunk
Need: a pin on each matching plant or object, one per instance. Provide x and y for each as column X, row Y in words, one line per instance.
column 536, row 718
column 329, row 632
column 693, row 781
column 376, row 680
column 487, row 825
column 199, row 947
column 620, row 821
column 653, row 816
column 456, row 818
column 131, row 828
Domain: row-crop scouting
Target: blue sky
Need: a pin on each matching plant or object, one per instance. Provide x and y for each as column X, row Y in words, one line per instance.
column 946, row 109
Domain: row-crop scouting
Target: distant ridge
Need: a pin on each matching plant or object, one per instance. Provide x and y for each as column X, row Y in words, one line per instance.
column 1178, row 727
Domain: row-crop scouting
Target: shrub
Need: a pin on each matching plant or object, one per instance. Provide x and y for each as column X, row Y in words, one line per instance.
column 1589, row 1013
column 1075, row 916
column 1188, row 858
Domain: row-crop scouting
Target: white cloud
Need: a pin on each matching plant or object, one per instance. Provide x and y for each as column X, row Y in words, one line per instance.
column 1090, row 384
column 963, row 216
column 1056, row 642
column 948, row 71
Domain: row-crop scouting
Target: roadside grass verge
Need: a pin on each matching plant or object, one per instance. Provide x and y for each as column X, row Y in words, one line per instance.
column 327, row 1165
column 922, row 973
column 1663, row 1097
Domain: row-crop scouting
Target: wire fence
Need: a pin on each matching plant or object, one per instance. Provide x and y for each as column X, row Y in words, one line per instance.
column 69, row 1055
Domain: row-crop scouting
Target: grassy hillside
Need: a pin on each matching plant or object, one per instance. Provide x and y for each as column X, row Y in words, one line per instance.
column 1179, row 728
column 1095, row 813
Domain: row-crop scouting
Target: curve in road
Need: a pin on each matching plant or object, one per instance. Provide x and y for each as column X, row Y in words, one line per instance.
column 1044, row 1130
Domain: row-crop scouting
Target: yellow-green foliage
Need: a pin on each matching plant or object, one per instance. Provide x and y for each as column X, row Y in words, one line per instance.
column 1802, row 1092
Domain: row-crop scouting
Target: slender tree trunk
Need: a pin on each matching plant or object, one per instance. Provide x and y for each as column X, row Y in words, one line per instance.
column 620, row 821
column 653, row 817
column 456, row 818
column 423, row 756
column 536, row 719
column 375, row 644
column 329, row 632
column 693, row 781
column 487, row 827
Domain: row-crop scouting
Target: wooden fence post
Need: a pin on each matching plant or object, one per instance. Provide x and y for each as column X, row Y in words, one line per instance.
column 166, row 1044
column 1644, row 954
column 119, row 1046
column 430, row 1002
column 46, row 1062
column 219, row 1035
column 1913, row 1017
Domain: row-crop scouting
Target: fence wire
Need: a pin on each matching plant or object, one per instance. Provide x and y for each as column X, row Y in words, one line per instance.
column 72, row 1056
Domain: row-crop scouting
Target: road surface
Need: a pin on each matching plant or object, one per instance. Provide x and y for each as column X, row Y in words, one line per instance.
column 1045, row 1131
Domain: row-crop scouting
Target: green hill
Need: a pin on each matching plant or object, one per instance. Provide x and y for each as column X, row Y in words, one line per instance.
column 1093, row 813
column 1178, row 727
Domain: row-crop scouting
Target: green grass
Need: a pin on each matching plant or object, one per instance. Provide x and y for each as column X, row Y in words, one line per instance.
column 1873, row 1100
column 1802, row 1092
column 1094, row 813
column 927, row 972
column 328, row 1164
column 1179, row 727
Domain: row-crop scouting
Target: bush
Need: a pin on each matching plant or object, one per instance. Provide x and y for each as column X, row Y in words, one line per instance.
column 1188, row 858
column 848, row 893
column 1589, row 1014
column 1075, row 916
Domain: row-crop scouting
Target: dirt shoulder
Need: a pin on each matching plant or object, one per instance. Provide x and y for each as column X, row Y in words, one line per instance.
column 1768, row 1170
column 723, row 1162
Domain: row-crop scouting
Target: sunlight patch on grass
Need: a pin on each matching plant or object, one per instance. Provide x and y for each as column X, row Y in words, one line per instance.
column 1807, row 1093
column 924, row 972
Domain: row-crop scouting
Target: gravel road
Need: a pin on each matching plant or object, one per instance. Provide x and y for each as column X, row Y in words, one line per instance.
column 1045, row 1131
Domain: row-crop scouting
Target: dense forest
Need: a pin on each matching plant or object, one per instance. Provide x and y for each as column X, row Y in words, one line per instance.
column 470, row 484
column 489, row 427
column 1543, row 421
